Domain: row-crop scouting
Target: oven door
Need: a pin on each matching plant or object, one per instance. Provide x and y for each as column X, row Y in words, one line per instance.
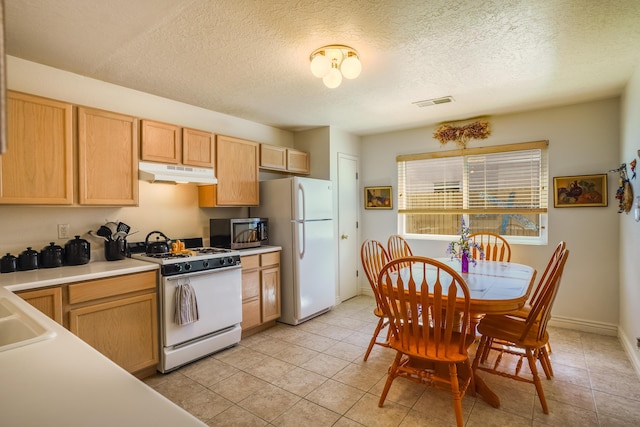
column 219, row 297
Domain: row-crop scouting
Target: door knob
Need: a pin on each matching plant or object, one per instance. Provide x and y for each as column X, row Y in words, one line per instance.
column 344, row 237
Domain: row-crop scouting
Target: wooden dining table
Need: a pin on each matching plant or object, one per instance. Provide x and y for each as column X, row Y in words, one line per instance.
column 495, row 287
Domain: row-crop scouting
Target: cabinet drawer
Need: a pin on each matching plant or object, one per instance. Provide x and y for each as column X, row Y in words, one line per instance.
column 118, row 285
column 250, row 261
column 270, row 258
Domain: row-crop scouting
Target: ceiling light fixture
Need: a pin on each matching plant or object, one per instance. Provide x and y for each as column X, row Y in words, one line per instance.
column 331, row 63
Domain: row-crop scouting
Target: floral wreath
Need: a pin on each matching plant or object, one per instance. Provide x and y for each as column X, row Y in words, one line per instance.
column 462, row 134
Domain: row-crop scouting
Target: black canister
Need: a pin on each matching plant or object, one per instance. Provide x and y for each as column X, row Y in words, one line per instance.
column 114, row 249
column 8, row 263
column 28, row 260
column 77, row 251
column 51, row 256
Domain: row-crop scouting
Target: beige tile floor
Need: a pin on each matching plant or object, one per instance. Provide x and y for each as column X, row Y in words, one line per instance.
column 313, row 375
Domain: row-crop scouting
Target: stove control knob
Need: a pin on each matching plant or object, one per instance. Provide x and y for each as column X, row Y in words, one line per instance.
column 187, row 267
column 177, row 267
column 205, row 264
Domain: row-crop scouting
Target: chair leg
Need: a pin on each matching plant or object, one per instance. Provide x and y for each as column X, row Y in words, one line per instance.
column 390, row 377
column 379, row 327
column 455, row 390
column 536, row 380
column 484, row 342
column 546, row 362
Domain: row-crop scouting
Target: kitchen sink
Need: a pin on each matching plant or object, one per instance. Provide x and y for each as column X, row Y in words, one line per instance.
column 18, row 329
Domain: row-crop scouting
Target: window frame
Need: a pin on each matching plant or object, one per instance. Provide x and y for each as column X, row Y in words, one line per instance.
column 464, row 153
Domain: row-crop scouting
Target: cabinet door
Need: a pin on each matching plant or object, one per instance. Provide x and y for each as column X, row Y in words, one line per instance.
column 273, row 157
column 237, row 172
column 107, row 158
column 37, row 167
column 197, row 148
column 270, row 293
column 125, row 330
column 48, row 301
column 297, row 161
column 161, row 142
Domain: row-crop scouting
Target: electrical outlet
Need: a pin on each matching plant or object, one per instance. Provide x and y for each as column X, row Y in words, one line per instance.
column 63, row 231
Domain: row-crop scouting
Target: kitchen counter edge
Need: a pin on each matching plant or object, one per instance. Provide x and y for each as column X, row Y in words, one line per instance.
column 40, row 278
column 259, row 250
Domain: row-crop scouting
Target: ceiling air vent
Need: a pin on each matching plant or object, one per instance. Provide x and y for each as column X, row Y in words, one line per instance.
column 434, row 101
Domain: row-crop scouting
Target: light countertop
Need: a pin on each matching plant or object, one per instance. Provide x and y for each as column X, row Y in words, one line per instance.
column 32, row 279
column 259, row 250
column 63, row 380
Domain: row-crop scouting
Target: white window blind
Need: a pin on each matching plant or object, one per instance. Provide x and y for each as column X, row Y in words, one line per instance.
column 498, row 188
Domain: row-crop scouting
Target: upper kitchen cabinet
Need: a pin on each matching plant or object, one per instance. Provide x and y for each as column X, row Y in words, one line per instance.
column 107, row 158
column 297, row 161
column 160, row 142
column 167, row 143
column 197, row 148
column 282, row 159
column 237, row 173
column 38, row 165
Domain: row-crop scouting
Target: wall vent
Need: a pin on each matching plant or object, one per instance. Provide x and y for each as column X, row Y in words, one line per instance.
column 434, row 101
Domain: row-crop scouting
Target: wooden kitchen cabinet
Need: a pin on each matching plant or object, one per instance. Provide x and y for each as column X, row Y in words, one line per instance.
column 273, row 157
column 160, row 142
column 118, row 317
column 260, row 291
column 197, row 148
column 237, row 174
column 107, row 158
column 167, row 143
column 37, row 167
column 282, row 159
column 48, row 301
column 297, row 161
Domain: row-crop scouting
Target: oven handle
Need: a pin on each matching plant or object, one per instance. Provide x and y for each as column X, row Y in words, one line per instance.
column 200, row 273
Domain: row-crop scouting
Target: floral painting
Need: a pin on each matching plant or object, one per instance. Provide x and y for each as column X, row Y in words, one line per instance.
column 580, row 190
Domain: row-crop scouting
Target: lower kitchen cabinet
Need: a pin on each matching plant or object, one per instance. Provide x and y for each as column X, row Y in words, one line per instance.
column 260, row 291
column 48, row 301
column 118, row 317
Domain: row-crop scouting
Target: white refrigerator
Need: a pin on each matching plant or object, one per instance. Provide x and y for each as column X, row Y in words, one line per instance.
column 300, row 213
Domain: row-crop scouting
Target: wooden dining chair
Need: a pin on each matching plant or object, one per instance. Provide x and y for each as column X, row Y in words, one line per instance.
column 374, row 256
column 398, row 247
column 494, row 246
column 523, row 338
column 523, row 313
column 430, row 339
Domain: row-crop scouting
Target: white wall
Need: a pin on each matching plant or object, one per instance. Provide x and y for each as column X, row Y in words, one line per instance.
column 172, row 209
column 629, row 229
column 583, row 139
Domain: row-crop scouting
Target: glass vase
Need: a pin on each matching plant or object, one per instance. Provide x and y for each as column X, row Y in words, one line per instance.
column 465, row 262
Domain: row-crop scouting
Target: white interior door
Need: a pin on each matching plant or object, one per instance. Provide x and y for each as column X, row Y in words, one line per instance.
column 349, row 258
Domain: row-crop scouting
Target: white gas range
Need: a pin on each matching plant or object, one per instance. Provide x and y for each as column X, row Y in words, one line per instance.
column 215, row 277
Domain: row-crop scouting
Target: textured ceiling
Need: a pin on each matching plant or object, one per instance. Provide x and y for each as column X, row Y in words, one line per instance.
column 250, row 58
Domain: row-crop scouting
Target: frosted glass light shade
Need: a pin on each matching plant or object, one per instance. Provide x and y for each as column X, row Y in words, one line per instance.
column 351, row 67
column 333, row 79
column 320, row 65
column 333, row 62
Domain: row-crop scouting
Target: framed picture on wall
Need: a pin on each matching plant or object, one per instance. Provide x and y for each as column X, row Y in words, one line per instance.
column 378, row 198
column 580, row 191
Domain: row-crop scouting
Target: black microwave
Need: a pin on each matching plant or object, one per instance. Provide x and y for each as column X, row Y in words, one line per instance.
column 238, row 233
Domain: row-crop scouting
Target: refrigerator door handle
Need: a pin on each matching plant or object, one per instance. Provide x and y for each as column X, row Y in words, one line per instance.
column 302, row 220
column 303, row 203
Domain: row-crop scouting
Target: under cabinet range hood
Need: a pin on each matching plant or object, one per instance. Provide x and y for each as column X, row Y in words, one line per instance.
column 159, row 172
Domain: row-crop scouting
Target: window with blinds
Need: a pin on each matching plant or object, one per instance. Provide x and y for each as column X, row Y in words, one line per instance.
column 502, row 189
